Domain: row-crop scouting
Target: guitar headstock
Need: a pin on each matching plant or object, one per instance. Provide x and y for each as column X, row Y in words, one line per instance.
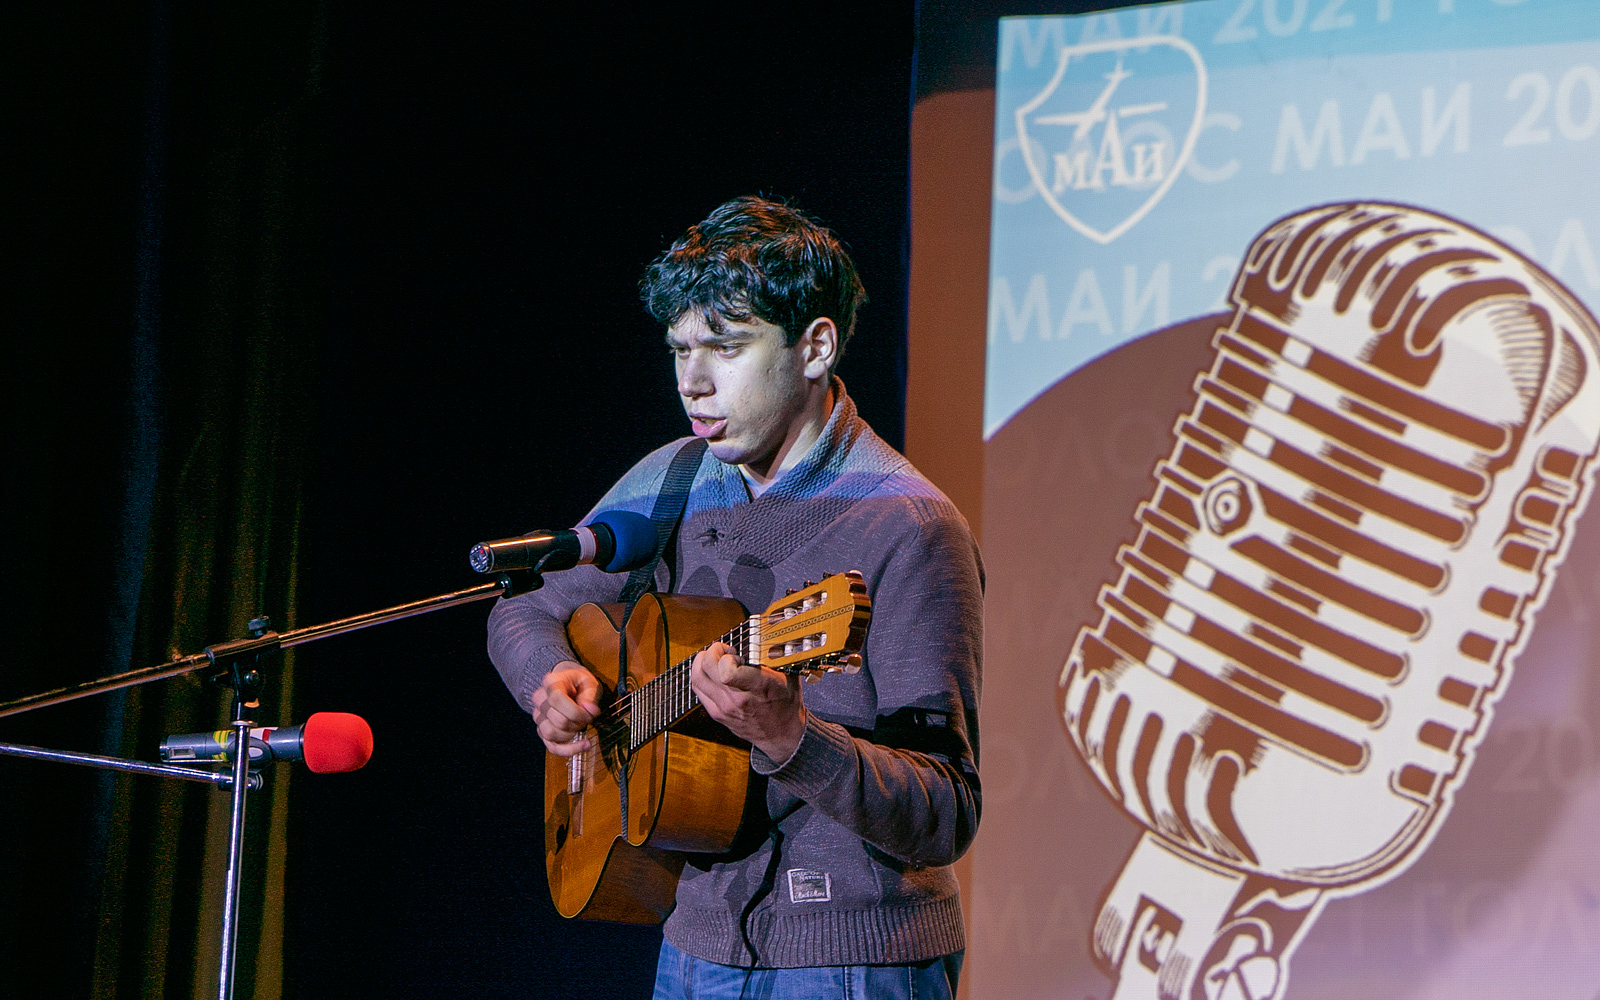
column 817, row 629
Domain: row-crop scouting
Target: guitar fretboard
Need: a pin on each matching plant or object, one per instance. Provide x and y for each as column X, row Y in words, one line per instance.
column 657, row 705
column 796, row 635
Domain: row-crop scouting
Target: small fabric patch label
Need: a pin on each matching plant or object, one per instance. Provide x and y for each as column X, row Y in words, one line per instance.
column 807, row 886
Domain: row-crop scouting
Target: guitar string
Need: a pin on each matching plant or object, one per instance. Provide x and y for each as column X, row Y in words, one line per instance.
column 668, row 683
column 616, row 728
column 737, row 635
column 734, row 636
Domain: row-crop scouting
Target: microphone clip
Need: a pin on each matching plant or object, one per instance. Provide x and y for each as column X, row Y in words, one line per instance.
column 230, row 660
column 518, row 581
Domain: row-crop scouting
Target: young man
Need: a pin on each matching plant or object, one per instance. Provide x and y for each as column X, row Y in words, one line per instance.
column 871, row 779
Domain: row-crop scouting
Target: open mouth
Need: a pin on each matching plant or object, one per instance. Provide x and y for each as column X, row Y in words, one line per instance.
column 707, row 427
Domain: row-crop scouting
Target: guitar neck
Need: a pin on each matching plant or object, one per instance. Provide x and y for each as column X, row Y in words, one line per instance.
column 817, row 629
column 659, row 704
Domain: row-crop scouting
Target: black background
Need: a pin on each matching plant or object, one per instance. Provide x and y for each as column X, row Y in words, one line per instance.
column 481, row 189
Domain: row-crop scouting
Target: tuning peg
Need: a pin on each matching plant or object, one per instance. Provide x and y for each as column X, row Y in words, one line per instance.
column 851, row 663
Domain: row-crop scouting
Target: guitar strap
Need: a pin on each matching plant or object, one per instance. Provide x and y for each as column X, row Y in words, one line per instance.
column 667, row 514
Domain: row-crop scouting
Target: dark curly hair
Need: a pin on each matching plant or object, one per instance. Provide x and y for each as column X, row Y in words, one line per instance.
column 756, row 257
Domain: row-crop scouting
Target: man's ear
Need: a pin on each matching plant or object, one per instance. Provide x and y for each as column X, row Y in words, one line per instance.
column 819, row 346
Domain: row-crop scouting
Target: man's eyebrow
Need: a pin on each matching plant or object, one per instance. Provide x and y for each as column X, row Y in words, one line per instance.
column 715, row 339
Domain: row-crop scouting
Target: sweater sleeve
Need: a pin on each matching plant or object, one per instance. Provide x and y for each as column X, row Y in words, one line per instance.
column 910, row 786
column 528, row 633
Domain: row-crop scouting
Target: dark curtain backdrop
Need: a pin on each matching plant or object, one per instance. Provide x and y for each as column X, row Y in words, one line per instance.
column 167, row 306
column 305, row 300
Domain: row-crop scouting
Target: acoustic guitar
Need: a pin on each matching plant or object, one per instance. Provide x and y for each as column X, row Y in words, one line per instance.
column 663, row 778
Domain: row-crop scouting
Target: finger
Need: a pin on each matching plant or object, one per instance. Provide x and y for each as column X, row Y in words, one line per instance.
column 557, row 729
column 577, row 693
column 576, row 684
column 567, row 747
column 704, row 664
column 739, row 676
column 699, row 683
column 723, row 667
column 711, row 694
column 568, row 714
column 720, row 651
column 586, row 693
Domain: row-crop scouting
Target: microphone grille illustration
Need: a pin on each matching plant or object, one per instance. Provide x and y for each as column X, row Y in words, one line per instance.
column 1345, row 549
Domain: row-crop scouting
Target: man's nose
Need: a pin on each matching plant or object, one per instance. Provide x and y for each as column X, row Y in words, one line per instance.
column 693, row 378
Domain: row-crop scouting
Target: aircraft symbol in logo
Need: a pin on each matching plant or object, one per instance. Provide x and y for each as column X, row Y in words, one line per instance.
column 1134, row 159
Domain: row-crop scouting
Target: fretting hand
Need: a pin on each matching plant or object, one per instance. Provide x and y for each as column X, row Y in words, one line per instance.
column 757, row 704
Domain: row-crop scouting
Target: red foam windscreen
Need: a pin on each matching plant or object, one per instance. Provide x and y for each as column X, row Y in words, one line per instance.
column 336, row 741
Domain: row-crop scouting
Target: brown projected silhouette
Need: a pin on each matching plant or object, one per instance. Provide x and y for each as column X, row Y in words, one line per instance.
column 1346, row 547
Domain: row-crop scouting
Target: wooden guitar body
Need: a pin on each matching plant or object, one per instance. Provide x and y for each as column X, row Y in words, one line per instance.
column 663, row 778
column 617, row 822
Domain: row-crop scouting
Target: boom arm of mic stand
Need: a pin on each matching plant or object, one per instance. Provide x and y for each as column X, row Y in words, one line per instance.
column 504, row 585
column 222, row 779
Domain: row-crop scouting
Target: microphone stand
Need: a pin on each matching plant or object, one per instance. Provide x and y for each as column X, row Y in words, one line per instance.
column 228, row 659
column 237, row 778
column 222, row 779
column 508, row 584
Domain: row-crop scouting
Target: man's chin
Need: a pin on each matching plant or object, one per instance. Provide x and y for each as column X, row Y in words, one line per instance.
column 727, row 452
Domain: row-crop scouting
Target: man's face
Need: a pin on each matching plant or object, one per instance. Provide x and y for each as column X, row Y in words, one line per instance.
column 744, row 391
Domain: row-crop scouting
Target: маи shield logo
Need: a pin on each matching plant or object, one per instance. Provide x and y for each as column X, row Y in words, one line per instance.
column 1100, row 138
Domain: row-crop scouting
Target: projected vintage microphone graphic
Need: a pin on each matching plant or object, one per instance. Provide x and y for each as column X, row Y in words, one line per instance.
column 1347, row 546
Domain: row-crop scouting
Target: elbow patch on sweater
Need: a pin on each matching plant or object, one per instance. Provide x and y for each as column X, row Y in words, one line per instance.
column 921, row 730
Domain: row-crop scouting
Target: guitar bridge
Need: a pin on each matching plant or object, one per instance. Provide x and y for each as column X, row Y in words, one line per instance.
column 575, row 773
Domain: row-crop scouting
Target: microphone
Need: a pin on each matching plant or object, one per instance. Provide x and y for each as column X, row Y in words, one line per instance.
column 616, row 540
column 328, row 742
column 1358, row 522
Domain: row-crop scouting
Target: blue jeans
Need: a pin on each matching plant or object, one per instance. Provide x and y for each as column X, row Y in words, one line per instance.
column 684, row 977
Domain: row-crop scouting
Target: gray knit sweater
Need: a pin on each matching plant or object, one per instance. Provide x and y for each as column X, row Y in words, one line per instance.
column 882, row 795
